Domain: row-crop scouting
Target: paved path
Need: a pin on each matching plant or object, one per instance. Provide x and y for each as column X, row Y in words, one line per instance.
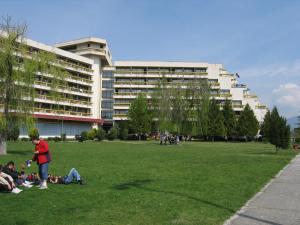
column 278, row 203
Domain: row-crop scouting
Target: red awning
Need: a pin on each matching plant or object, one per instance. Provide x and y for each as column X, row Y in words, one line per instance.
column 69, row 118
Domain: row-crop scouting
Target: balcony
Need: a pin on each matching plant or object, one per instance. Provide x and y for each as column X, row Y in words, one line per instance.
column 60, row 112
column 250, row 96
column 68, row 100
column 159, row 72
column 62, row 87
column 261, row 107
column 221, row 95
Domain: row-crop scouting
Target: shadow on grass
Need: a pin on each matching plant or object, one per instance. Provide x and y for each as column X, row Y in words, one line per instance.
column 139, row 184
column 19, row 152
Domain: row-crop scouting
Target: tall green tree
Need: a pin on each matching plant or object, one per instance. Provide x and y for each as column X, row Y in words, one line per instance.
column 229, row 119
column 19, row 67
column 279, row 132
column 265, row 126
column 216, row 126
column 247, row 124
column 139, row 116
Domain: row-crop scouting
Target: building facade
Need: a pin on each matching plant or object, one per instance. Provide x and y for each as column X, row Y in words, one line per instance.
column 99, row 92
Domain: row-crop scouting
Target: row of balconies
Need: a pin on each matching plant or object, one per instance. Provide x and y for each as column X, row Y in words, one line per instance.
column 63, row 87
column 61, row 112
column 215, row 84
column 137, row 93
column 68, row 100
column 60, row 62
column 160, row 72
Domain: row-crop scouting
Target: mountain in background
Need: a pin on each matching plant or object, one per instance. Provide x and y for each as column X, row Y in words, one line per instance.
column 293, row 121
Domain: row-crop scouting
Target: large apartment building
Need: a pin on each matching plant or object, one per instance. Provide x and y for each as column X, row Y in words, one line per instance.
column 134, row 77
column 98, row 92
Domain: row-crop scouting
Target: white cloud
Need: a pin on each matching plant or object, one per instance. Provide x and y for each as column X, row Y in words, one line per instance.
column 283, row 69
column 288, row 98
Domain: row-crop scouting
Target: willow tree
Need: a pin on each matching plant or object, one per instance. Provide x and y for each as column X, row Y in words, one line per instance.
column 19, row 68
column 198, row 96
column 161, row 105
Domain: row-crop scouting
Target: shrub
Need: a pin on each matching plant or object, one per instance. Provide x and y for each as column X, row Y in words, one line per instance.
column 63, row 136
column 100, row 135
column 50, row 139
column 83, row 136
column 24, row 139
column 33, row 133
column 123, row 134
column 112, row 134
column 56, row 139
column 91, row 134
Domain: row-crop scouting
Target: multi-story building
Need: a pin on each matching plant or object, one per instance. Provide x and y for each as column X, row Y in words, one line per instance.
column 99, row 93
column 77, row 108
column 134, row 77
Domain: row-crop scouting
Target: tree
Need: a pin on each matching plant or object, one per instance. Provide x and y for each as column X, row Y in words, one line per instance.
column 139, row 116
column 279, row 132
column 247, row 125
column 265, row 126
column 161, row 105
column 215, row 121
column 297, row 131
column 229, row 119
column 100, row 134
column 19, row 67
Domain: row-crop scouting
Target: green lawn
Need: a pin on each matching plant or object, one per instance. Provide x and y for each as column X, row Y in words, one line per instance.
column 137, row 183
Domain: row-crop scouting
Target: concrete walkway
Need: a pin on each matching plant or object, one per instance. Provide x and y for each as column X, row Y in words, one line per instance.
column 278, row 203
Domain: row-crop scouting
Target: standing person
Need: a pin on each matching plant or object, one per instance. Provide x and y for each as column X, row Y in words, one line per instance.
column 42, row 157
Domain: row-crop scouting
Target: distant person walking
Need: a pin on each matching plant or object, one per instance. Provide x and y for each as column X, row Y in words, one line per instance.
column 43, row 157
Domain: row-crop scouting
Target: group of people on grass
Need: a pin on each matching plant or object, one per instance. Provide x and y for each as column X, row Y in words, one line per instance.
column 11, row 180
column 172, row 139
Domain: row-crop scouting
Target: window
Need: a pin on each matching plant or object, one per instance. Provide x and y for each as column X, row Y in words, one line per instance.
column 108, row 74
column 107, row 104
column 107, row 94
column 107, row 84
column 107, row 114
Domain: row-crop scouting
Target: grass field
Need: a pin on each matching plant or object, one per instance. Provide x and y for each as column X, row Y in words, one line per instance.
column 137, row 183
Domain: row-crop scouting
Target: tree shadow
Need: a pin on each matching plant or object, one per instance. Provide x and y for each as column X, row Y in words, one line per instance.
column 19, row 152
column 139, row 184
column 130, row 184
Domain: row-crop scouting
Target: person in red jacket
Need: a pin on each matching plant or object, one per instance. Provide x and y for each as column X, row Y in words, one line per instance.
column 43, row 157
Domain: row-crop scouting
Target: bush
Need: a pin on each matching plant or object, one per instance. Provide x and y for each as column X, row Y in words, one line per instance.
column 112, row 134
column 56, row 139
column 63, row 136
column 100, row 135
column 34, row 133
column 50, row 139
column 24, row 139
column 91, row 134
column 123, row 134
column 83, row 136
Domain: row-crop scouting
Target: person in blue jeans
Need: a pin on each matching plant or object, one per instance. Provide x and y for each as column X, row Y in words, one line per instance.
column 73, row 176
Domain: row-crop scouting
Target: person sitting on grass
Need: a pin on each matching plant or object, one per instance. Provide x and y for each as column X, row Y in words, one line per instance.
column 7, row 183
column 19, row 178
column 72, row 176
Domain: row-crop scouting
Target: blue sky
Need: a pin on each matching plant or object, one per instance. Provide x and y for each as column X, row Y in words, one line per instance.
column 259, row 39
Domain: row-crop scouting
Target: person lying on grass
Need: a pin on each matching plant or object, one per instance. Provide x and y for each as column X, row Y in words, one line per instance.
column 19, row 177
column 7, row 183
column 72, row 176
